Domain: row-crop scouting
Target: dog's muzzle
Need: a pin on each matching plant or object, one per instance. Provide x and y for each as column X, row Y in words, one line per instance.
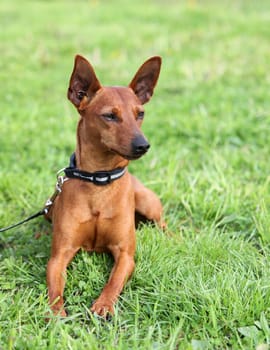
column 139, row 146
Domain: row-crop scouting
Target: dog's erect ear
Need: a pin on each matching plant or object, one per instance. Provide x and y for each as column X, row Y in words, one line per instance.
column 145, row 79
column 83, row 83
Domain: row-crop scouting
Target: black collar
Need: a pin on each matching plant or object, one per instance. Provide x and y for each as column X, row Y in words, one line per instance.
column 100, row 178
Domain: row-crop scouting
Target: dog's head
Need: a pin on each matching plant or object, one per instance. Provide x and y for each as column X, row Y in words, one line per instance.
column 113, row 115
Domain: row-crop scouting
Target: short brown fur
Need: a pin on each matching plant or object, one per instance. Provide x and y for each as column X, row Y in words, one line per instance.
column 101, row 218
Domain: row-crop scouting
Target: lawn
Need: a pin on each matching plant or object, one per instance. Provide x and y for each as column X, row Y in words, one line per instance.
column 204, row 284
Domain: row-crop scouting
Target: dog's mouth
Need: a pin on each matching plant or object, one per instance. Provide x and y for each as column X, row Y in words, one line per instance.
column 129, row 156
column 133, row 157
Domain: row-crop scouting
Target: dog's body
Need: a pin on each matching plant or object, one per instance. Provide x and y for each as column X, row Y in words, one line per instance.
column 101, row 218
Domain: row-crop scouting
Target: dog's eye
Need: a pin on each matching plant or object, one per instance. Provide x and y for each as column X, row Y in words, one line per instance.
column 140, row 115
column 110, row 117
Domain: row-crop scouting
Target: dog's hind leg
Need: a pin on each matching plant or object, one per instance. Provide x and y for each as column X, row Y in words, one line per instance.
column 147, row 204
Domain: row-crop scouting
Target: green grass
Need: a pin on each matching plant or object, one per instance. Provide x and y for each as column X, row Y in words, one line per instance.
column 206, row 284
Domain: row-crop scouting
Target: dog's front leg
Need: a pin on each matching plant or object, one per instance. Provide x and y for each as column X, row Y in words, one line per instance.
column 56, row 278
column 122, row 270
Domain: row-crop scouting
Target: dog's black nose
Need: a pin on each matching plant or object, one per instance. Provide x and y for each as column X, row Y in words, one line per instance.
column 140, row 145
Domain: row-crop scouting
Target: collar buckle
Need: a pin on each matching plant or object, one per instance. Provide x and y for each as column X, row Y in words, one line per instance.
column 102, row 178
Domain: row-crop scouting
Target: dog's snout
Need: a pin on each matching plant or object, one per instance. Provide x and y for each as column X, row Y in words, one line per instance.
column 140, row 145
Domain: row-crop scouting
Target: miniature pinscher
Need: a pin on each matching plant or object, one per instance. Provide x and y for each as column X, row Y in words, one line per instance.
column 96, row 207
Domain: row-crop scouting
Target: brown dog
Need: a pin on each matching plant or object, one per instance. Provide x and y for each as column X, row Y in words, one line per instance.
column 98, row 215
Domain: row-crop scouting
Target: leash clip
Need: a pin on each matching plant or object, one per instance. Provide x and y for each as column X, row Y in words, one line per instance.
column 58, row 188
column 60, row 180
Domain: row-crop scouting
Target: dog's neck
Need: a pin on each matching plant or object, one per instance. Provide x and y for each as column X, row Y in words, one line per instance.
column 91, row 158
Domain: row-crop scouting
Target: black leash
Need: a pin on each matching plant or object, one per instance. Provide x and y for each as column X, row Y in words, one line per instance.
column 48, row 204
column 31, row 217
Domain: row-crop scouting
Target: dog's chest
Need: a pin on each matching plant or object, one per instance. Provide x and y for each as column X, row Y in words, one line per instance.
column 94, row 218
column 98, row 232
column 100, row 218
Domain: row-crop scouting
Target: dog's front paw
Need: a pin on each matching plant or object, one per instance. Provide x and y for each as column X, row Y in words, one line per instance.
column 103, row 308
column 55, row 313
column 60, row 313
column 57, row 307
